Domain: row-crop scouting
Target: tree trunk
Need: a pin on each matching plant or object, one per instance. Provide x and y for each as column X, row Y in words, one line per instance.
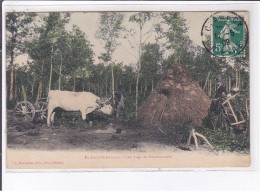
column 210, row 88
column 60, row 72
column 136, row 95
column 145, row 88
column 206, row 80
column 51, row 69
column 113, row 83
column 11, row 76
column 33, row 85
column 39, row 94
column 229, row 83
column 15, row 87
column 19, row 92
column 24, row 93
column 236, row 77
column 74, row 84
column 138, row 73
column 152, row 84
column 83, row 85
column 239, row 74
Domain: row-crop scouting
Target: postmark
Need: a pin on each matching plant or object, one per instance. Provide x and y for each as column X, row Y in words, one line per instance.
column 225, row 34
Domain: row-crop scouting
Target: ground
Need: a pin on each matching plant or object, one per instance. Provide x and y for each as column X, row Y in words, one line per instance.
column 111, row 139
column 39, row 136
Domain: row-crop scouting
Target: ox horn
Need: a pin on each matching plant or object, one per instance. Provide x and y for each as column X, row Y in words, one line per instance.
column 100, row 101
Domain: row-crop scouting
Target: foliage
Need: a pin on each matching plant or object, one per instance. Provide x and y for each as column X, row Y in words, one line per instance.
column 110, row 31
column 150, row 71
column 18, row 27
column 226, row 139
column 74, row 120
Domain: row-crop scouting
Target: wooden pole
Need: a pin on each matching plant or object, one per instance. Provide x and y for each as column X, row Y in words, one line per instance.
column 206, row 80
column 203, row 137
column 188, row 142
column 195, row 139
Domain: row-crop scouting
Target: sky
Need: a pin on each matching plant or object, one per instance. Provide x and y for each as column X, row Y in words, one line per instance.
column 88, row 22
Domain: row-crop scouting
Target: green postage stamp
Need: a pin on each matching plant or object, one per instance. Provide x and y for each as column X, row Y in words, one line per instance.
column 228, row 38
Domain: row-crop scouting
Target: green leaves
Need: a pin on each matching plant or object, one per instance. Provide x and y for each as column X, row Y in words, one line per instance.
column 111, row 29
column 141, row 17
column 18, row 27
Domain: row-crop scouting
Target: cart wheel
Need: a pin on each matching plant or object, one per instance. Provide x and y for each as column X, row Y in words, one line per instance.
column 42, row 111
column 24, row 111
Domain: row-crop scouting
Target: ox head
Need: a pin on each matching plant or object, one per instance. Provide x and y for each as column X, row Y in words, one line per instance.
column 105, row 105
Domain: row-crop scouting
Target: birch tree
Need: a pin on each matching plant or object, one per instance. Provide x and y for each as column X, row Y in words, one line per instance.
column 140, row 19
column 55, row 27
column 110, row 31
column 17, row 26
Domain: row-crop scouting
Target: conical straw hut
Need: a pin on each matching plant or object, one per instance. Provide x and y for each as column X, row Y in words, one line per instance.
column 177, row 99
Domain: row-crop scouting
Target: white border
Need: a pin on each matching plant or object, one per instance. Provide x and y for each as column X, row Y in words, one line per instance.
column 64, row 180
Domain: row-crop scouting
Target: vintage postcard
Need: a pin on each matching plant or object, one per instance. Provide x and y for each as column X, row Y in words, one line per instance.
column 97, row 90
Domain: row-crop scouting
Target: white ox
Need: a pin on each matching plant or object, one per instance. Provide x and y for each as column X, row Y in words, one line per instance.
column 85, row 102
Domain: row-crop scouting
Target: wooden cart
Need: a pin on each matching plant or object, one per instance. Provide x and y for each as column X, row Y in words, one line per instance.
column 25, row 111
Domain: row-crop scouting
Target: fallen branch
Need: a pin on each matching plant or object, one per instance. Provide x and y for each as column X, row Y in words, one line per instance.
column 237, row 123
column 205, row 139
column 194, row 135
column 229, row 99
column 195, row 139
column 188, row 142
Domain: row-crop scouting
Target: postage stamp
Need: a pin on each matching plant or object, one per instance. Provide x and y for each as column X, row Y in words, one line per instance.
column 226, row 40
column 125, row 89
column 229, row 34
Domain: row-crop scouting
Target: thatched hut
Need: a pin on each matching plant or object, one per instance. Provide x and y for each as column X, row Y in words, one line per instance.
column 177, row 99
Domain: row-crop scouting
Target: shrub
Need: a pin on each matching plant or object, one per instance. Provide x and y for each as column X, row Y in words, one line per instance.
column 228, row 138
column 74, row 120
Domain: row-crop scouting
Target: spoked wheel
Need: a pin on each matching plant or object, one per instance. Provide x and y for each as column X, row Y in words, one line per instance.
column 42, row 111
column 24, row 112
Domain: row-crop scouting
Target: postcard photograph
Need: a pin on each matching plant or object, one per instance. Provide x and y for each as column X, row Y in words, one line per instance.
column 97, row 90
